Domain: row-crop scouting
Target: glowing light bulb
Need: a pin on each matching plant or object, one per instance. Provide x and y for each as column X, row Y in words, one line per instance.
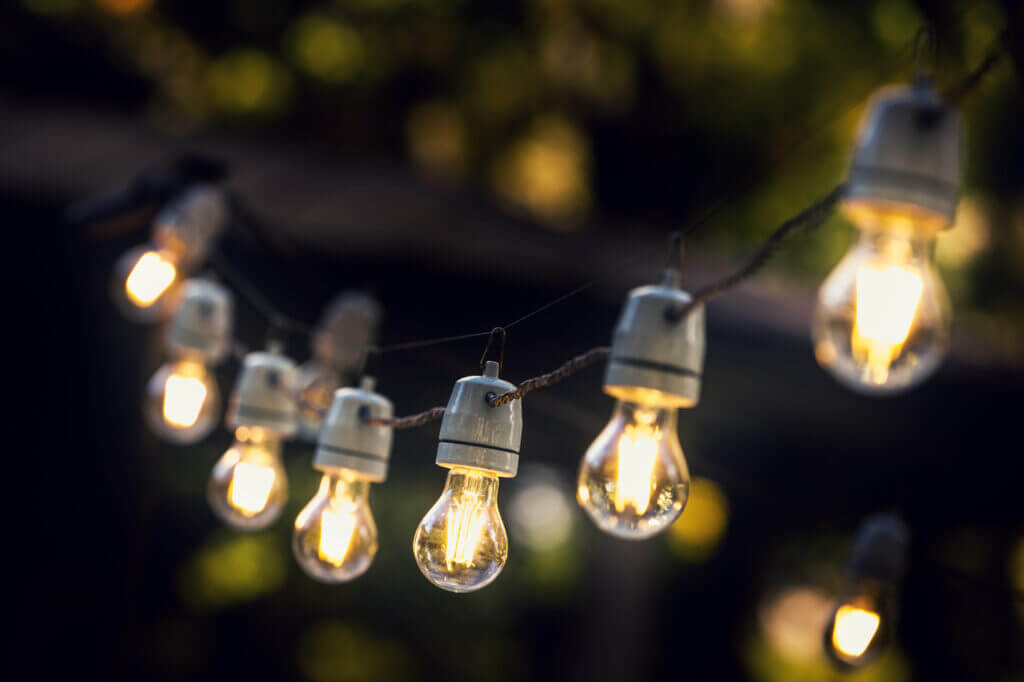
column 857, row 632
column 183, row 401
column 853, row 629
column 882, row 320
column 150, row 277
column 335, row 536
column 144, row 283
column 633, row 481
column 461, row 544
column 248, row 487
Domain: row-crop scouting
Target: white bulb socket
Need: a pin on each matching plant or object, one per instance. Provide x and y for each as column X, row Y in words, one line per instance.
column 655, row 359
column 347, row 442
column 265, row 394
column 201, row 327
column 909, row 154
column 476, row 435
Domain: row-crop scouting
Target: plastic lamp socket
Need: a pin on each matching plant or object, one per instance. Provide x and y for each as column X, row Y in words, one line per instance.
column 476, row 435
column 656, row 360
column 265, row 393
column 201, row 327
column 909, row 155
column 348, row 442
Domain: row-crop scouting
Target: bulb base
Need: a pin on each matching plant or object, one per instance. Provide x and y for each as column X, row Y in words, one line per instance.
column 265, row 394
column 908, row 157
column 347, row 442
column 476, row 435
column 654, row 360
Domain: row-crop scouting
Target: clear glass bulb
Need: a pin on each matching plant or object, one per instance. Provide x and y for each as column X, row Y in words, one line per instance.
column 248, row 487
column 461, row 544
column 182, row 401
column 144, row 283
column 633, row 480
column 883, row 317
column 335, row 536
column 859, row 629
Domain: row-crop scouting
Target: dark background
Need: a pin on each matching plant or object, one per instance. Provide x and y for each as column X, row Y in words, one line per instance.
column 472, row 162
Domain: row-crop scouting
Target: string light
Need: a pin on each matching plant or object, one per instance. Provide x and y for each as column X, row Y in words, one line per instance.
column 182, row 399
column 881, row 325
column 633, row 481
column 883, row 317
column 145, row 277
column 860, row 627
column 335, row 536
column 461, row 544
column 248, row 486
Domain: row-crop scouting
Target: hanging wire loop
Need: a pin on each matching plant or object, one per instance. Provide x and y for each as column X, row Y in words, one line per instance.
column 497, row 334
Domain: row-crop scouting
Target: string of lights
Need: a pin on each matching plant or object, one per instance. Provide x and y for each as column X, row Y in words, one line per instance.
column 881, row 325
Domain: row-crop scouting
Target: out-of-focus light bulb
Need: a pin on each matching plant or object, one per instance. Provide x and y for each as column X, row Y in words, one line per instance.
column 144, row 283
column 335, row 536
column 882, row 320
column 853, row 629
column 149, row 278
column 248, row 487
column 182, row 399
column 858, row 630
column 461, row 544
column 633, row 481
column 146, row 277
column 861, row 624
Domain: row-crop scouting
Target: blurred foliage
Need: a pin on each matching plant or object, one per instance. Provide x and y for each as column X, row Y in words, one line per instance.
column 638, row 111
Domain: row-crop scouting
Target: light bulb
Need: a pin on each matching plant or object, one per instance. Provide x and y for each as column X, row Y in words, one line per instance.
column 461, row 544
column 143, row 282
column 859, row 629
column 248, row 487
column 182, row 401
column 335, row 536
column 633, row 480
column 883, row 317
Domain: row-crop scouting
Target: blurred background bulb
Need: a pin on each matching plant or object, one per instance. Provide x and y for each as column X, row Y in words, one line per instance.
column 461, row 544
column 335, row 536
column 144, row 283
column 248, row 487
column 182, row 401
column 633, row 481
column 858, row 629
column 883, row 317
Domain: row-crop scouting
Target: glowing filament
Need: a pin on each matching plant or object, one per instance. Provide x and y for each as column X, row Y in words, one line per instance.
column 250, row 487
column 149, row 279
column 465, row 526
column 638, row 450
column 336, row 531
column 853, row 630
column 887, row 299
column 183, row 400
